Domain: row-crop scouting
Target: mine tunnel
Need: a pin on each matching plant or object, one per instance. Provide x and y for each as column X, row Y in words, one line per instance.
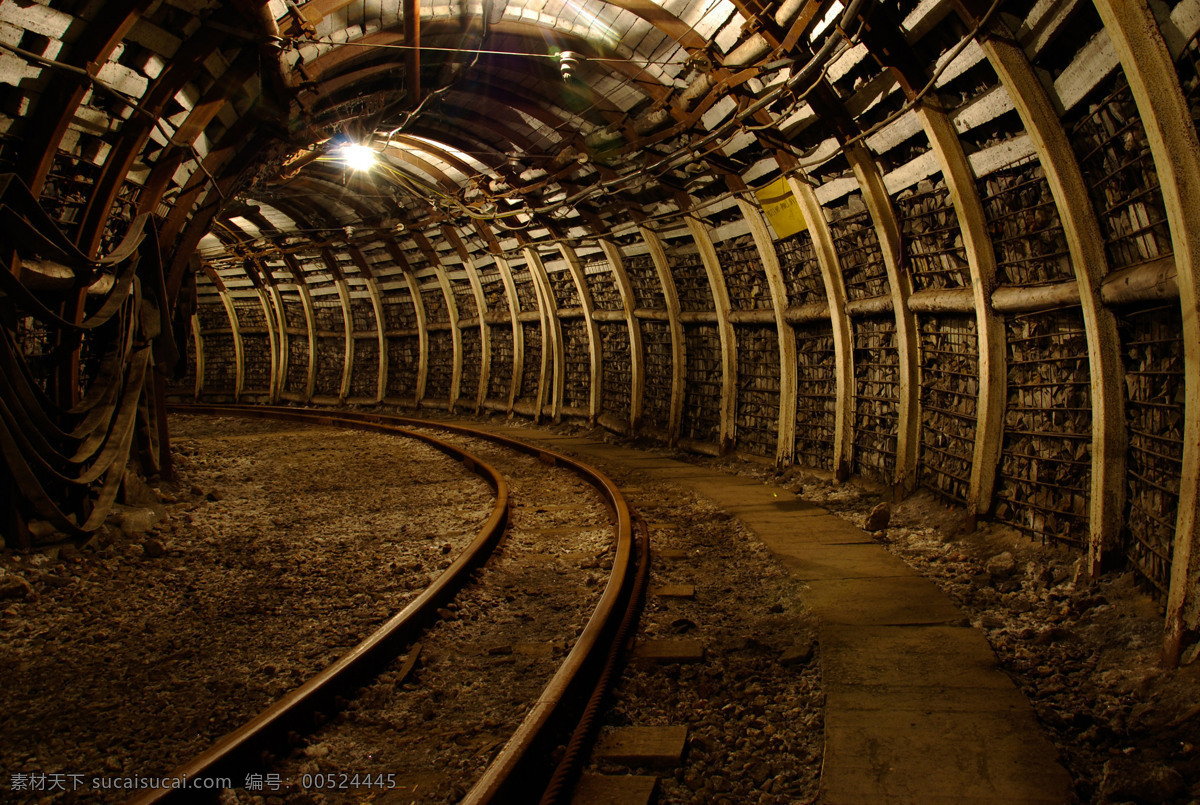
column 944, row 251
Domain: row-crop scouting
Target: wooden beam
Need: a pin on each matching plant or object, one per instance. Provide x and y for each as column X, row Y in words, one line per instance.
column 1171, row 133
column 843, row 351
column 637, row 361
column 678, row 348
column 989, row 331
column 720, row 295
column 786, row 443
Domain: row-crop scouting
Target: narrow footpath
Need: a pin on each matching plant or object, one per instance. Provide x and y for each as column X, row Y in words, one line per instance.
column 917, row 710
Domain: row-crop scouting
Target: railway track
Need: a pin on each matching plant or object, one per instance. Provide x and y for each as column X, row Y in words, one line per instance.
column 373, row 683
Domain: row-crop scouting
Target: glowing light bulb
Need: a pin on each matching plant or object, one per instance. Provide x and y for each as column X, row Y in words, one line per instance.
column 357, row 157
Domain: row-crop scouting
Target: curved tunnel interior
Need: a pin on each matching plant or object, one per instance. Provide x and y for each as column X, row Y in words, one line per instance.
column 949, row 244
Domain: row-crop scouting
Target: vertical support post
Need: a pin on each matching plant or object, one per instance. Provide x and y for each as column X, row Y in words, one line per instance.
column 594, row 351
column 786, row 443
column 452, row 310
column 678, row 355
column 347, row 322
column 1085, row 243
column 518, row 333
column 552, row 330
column 198, row 340
column 887, row 232
column 414, row 292
column 239, row 349
column 843, row 353
column 1135, row 35
column 310, row 324
column 485, row 330
column 637, row 362
column 360, row 260
column 277, row 323
column 729, row 378
column 981, row 261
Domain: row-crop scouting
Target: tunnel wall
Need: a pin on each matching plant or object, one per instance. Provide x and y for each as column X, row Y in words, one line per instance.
column 993, row 298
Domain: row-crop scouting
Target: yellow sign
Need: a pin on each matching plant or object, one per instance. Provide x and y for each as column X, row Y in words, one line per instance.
column 781, row 208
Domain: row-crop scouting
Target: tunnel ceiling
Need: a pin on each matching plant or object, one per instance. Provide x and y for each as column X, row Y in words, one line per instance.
column 514, row 122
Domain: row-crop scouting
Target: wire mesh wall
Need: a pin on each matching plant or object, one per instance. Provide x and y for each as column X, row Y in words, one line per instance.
column 816, row 395
column 932, row 241
column 616, row 383
column 563, row 285
column 949, row 403
column 441, row 366
column 404, row 363
column 758, row 389
column 1152, row 344
column 468, row 386
column 602, row 285
column 1027, row 234
column 532, row 368
column 435, row 305
column 702, row 384
column 362, row 316
column 863, row 270
column 399, row 313
column 876, row 369
column 364, row 375
column 691, row 280
column 801, row 271
column 1110, row 141
column 643, row 276
column 656, row 397
column 256, row 346
column 577, row 382
column 745, row 278
column 464, row 299
column 330, row 348
column 494, row 293
column 296, row 379
column 1045, row 465
column 500, row 376
column 220, row 363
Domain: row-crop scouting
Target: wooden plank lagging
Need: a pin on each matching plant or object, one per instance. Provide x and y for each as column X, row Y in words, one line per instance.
column 637, row 362
column 981, row 262
column 835, row 295
column 1107, row 492
column 887, row 232
column 595, row 354
column 786, row 443
column 720, row 295
column 553, row 378
column 1171, row 133
column 671, row 299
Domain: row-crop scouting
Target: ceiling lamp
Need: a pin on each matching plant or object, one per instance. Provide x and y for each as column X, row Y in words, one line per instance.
column 357, row 157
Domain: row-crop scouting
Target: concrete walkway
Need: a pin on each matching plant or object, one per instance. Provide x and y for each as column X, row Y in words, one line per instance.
column 917, row 710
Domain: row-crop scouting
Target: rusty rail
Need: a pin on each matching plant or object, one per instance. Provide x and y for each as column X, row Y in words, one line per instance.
column 524, row 765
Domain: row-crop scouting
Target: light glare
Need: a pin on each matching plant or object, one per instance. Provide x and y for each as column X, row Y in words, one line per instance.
column 358, row 157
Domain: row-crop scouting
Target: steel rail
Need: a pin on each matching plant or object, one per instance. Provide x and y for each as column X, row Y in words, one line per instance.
column 238, row 749
column 523, row 768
